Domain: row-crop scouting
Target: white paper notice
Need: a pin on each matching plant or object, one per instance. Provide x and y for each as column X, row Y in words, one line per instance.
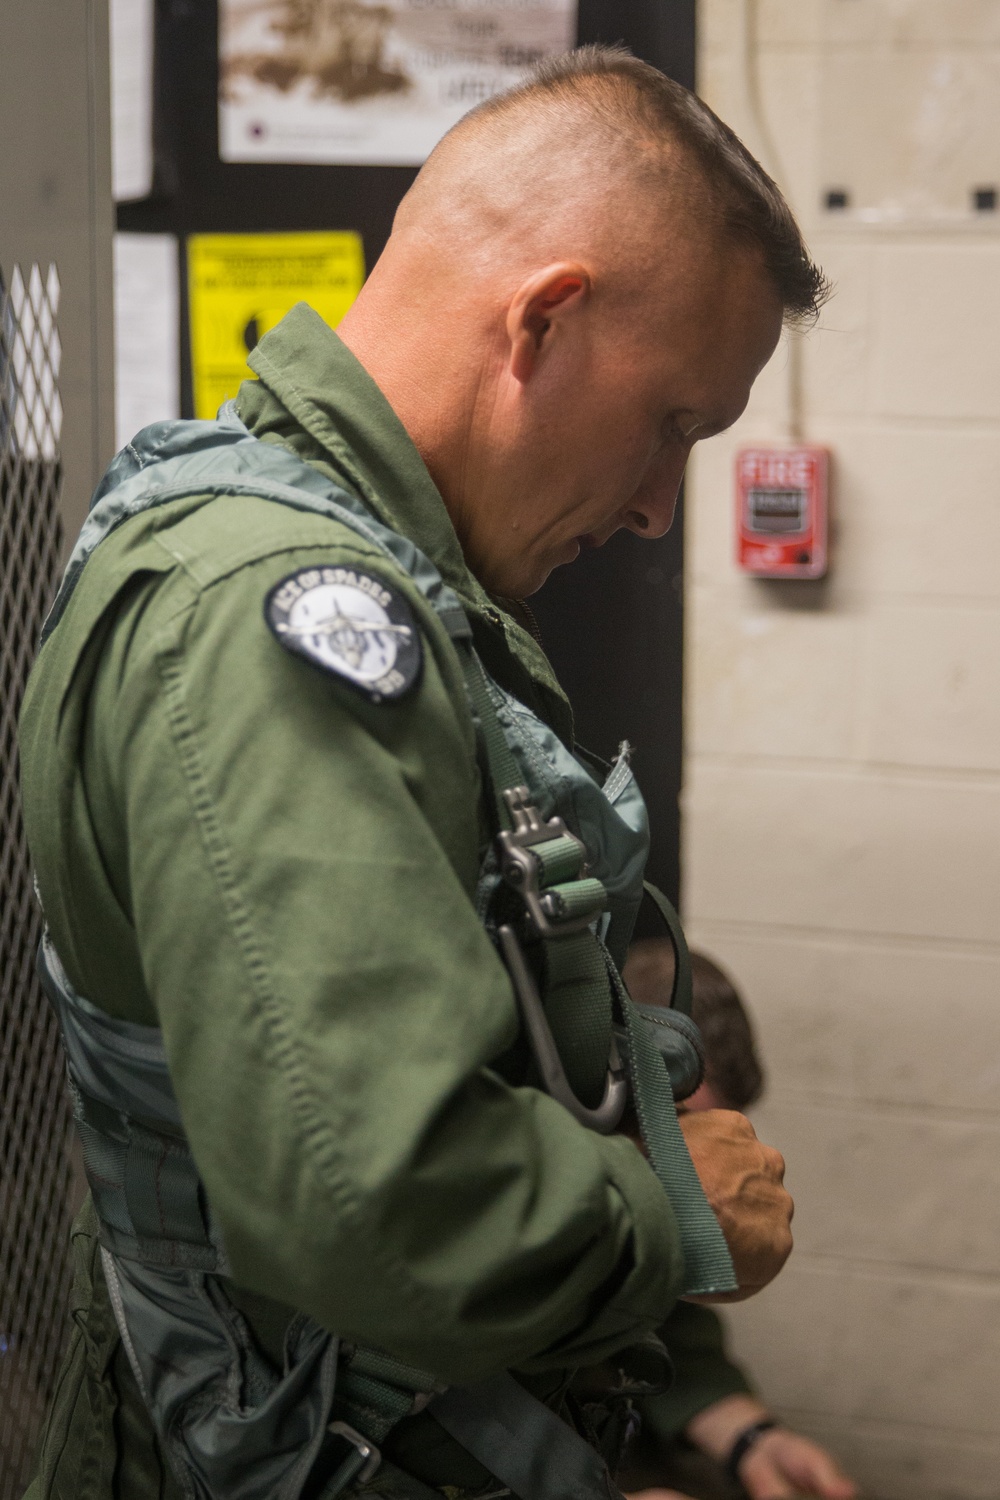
column 131, row 23
column 147, row 332
column 356, row 81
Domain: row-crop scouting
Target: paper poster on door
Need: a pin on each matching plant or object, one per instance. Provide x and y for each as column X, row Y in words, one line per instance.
column 241, row 285
column 343, row 81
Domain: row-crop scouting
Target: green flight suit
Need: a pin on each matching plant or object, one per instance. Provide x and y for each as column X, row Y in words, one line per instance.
column 239, row 848
column 703, row 1373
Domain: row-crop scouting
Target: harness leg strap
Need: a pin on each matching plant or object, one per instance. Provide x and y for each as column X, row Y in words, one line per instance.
column 522, row 1442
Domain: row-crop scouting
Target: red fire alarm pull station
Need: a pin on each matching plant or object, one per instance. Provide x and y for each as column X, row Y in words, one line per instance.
column 781, row 511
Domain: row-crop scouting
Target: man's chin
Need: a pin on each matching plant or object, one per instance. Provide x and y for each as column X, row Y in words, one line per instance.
column 567, row 554
column 529, row 574
column 540, row 577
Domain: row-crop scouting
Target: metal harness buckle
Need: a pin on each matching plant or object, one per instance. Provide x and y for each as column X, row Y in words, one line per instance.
column 523, row 867
column 359, row 1465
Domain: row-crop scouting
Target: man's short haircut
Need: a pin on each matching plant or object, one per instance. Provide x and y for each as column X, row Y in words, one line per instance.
column 732, row 1065
column 635, row 100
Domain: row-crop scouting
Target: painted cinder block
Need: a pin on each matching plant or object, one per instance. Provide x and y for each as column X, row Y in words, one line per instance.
column 788, row 89
column 916, row 1026
column 933, row 686
column 766, row 414
column 788, row 102
column 876, row 1345
column 791, row 23
column 767, row 681
column 716, row 28
column 916, row 510
column 881, row 1185
column 937, row 1354
column 790, row 1337
column 912, row 21
column 909, row 131
column 937, row 331
column 836, row 354
column 869, row 853
column 709, row 539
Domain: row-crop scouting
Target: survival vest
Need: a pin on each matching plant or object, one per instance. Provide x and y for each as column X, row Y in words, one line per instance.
column 559, row 890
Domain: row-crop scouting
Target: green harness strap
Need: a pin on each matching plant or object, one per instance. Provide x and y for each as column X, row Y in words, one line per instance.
column 708, row 1265
column 518, row 1439
column 580, row 980
column 561, row 902
column 680, row 997
column 530, row 1449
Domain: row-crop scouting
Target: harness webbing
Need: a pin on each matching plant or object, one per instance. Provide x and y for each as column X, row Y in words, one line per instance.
column 708, row 1265
column 500, row 770
column 579, row 981
column 680, row 998
column 523, row 1443
column 577, row 1000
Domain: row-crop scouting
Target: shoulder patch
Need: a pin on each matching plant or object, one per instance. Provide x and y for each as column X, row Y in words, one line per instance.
column 351, row 623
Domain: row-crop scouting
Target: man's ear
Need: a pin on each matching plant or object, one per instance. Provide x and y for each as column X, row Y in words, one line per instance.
column 538, row 304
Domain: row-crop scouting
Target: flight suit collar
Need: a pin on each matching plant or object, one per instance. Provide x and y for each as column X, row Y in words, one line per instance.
column 314, row 395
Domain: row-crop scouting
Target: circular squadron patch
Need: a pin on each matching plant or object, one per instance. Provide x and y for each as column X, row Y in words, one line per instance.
column 351, row 623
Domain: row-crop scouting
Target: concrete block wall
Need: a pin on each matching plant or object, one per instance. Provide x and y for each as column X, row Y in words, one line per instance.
column 842, row 798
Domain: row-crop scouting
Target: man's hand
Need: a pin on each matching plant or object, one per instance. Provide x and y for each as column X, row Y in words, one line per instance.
column 743, row 1183
column 781, row 1464
column 656, row 1495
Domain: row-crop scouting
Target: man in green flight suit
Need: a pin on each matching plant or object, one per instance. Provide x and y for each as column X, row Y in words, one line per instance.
column 266, row 750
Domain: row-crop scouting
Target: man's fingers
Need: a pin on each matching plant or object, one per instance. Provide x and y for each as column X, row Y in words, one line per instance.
column 764, row 1480
column 775, row 1163
column 743, row 1181
column 797, row 1463
column 818, row 1473
column 655, row 1495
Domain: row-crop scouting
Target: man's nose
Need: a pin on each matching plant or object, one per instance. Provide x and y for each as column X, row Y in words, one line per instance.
column 650, row 512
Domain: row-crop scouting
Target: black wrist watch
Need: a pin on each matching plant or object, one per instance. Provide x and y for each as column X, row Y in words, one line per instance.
column 744, row 1442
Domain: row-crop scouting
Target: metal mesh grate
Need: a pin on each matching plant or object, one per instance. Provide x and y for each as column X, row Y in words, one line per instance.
column 35, row 1170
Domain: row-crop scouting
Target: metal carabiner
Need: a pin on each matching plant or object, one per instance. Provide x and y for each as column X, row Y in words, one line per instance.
column 606, row 1117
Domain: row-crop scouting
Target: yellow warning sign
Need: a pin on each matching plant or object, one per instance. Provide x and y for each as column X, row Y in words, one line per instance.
column 241, row 285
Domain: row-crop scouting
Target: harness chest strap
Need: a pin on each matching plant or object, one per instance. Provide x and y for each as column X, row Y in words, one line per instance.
column 578, row 1005
column 545, row 864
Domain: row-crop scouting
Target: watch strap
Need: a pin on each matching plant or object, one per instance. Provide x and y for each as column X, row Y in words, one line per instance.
column 744, row 1442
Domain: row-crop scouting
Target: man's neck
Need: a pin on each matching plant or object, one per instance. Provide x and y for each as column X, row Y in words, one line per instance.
column 431, row 383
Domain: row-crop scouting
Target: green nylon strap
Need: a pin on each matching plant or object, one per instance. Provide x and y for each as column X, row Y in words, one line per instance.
column 708, row 1264
column 364, row 1360
column 560, row 858
column 577, row 998
column 579, row 898
column 529, row 1449
column 502, row 769
column 577, row 1001
column 576, row 995
column 374, row 1390
column 680, row 998
column 372, row 1406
